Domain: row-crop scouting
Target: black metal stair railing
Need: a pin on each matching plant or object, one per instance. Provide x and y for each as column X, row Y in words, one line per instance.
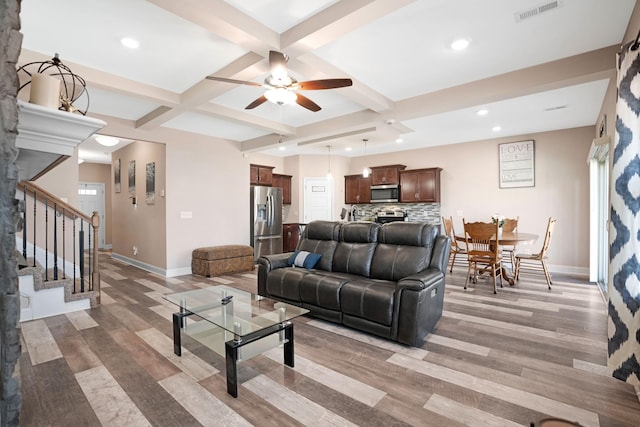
column 49, row 215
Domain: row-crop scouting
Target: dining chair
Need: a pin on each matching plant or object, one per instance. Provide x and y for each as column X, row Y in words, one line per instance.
column 456, row 248
column 482, row 249
column 540, row 257
column 510, row 226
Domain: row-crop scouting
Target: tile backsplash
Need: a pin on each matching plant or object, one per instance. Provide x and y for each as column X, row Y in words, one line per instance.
column 429, row 212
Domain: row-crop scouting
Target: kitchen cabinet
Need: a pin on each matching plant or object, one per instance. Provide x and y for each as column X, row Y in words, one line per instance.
column 420, row 185
column 284, row 182
column 357, row 189
column 383, row 175
column 261, row 175
column 290, row 237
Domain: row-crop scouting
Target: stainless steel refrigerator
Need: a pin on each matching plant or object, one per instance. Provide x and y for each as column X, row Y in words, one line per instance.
column 266, row 220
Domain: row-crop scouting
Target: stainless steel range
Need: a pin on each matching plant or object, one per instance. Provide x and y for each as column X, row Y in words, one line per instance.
column 383, row 217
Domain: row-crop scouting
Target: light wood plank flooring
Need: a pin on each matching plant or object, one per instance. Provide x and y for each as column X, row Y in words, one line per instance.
column 493, row 360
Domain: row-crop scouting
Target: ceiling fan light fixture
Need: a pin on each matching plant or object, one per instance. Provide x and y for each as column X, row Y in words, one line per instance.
column 280, row 96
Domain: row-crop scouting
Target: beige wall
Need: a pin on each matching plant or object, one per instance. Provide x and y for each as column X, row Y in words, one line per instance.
column 100, row 173
column 62, row 180
column 209, row 180
column 469, row 184
column 140, row 225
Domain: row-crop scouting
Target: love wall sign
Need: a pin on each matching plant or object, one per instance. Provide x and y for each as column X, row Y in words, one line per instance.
column 517, row 167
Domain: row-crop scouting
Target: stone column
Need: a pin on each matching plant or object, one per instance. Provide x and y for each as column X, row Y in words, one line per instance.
column 10, row 43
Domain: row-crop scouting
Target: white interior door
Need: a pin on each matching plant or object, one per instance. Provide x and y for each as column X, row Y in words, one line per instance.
column 318, row 196
column 91, row 199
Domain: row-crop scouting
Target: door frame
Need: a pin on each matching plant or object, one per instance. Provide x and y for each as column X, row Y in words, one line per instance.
column 329, row 185
column 101, row 213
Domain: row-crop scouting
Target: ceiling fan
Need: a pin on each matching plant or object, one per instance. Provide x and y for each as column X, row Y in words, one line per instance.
column 281, row 86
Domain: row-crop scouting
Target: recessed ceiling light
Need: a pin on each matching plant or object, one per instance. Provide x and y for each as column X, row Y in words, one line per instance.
column 399, row 140
column 460, row 44
column 483, row 112
column 107, row 141
column 347, row 149
column 282, row 148
column 130, row 43
column 496, row 128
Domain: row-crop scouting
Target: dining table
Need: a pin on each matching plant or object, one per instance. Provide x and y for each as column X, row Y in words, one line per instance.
column 509, row 238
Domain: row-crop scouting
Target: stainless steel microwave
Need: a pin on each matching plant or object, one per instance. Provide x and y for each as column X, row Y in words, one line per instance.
column 385, row 193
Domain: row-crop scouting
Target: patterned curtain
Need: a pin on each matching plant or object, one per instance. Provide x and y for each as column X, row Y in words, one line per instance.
column 624, row 240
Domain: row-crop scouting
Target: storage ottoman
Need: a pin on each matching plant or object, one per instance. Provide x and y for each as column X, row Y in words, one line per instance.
column 219, row 260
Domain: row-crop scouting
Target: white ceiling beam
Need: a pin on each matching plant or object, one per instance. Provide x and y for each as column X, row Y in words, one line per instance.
column 109, row 82
column 586, row 67
column 222, row 19
column 200, row 93
column 336, row 21
column 246, row 119
column 310, row 65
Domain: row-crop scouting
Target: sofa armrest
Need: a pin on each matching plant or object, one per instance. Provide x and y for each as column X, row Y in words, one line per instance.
column 421, row 280
column 271, row 262
column 267, row 263
column 420, row 300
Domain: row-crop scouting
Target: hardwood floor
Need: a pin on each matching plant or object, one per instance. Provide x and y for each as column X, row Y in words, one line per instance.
column 493, row 360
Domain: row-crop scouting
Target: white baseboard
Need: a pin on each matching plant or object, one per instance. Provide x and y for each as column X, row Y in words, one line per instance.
column 139, row 264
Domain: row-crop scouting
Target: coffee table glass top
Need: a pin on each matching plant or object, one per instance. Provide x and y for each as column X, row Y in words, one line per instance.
column 242, row 314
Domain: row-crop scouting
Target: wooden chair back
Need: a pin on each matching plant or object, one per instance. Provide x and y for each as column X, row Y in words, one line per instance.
column 447, row 224
column 479, row 236
column 551, row 225
column 510, row 224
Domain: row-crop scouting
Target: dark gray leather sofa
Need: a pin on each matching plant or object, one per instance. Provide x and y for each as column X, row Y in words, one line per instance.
column 387, row 280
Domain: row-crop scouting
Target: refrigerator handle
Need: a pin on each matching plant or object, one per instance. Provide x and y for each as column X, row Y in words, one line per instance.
column 269, row 211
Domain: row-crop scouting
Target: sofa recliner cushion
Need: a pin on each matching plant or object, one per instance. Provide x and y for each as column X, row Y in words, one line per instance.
column 284, row 283
column 355, row 249
column 322, row 289
column 369, row 299
column 404, row 249
column 321, row 237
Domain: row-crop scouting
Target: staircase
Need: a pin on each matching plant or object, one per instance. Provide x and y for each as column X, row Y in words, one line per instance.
column 58, row 243
column 58, row 274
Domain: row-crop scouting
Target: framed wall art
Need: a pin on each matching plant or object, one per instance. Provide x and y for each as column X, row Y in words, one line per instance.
column 151, row 183
column 132, row 178
column 116, row 175
column 517, row 167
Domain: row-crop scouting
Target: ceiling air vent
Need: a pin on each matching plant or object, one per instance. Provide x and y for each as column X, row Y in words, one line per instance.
column 535, row 11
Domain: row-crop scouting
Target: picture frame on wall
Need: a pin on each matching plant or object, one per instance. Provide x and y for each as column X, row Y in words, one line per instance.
column 116, row 175
column 151, row 183
column 132, row 178
column 602, row 126
column 517, row 164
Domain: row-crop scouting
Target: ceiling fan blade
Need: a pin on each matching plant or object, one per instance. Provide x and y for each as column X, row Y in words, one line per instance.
column 278, row 64
column 240, row 82
column 307, row 103
column 324, row 84
column 256, row 103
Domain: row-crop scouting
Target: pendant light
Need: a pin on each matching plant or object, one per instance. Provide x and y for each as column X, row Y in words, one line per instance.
column 329, row 176
column 365, row 171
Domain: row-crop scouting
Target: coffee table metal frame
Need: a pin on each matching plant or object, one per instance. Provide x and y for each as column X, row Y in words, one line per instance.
column 239, row 339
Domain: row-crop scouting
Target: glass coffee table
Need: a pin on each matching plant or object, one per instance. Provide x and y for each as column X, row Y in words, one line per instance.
column 235, row 324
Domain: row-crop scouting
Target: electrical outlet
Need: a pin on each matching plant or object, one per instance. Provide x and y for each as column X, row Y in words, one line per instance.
column 135, row 250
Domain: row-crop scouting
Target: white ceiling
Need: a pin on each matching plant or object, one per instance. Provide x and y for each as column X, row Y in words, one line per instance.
column 408, row 82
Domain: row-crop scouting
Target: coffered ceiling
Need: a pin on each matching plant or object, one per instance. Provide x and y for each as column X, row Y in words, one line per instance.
column 535, row 65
